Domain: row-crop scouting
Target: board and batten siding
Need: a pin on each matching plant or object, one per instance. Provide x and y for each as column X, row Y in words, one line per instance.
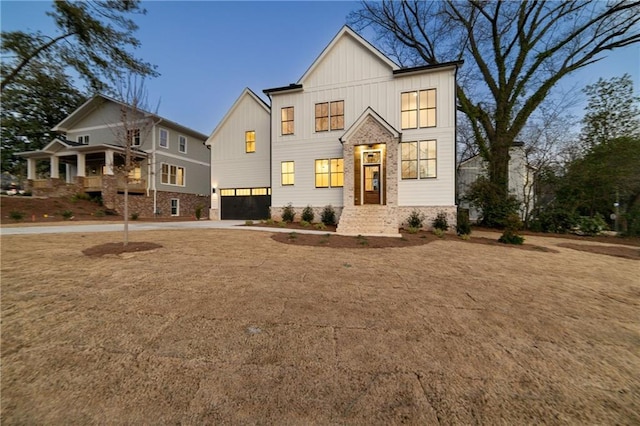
column 374, row 85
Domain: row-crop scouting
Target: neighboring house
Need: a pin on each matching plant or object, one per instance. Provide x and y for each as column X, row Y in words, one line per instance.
column 171, row 173
column 521, row 180
column 356, row 131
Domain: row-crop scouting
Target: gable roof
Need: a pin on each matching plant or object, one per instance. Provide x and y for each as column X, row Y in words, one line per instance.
column 346, row 31
column 245, row 93
column 92, row 104
column 369, row 112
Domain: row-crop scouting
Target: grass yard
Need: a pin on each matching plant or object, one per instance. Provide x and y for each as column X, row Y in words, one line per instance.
column 224, row 326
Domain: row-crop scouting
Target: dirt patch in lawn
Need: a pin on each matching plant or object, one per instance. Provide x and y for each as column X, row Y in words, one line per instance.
column 119, row 248
column 613, row 250
column 232, row 327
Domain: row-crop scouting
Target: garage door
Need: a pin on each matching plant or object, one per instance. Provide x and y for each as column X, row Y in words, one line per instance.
column 245, row 203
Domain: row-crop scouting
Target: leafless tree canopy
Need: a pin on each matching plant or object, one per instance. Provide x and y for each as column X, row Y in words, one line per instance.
column 514, row 52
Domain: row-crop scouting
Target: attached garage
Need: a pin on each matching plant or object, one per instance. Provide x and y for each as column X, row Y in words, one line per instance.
column 245, row 203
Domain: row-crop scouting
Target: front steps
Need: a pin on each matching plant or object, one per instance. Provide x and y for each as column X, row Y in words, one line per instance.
column 369, row 220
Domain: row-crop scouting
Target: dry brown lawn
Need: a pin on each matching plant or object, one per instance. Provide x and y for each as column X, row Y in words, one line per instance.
column 223, row 326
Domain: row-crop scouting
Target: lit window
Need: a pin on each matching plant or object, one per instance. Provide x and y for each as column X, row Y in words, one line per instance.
column 175, row 207
column 227, row 192
column 250, row 141
column 172, row 175
column 418, row 109
column 322, row 173
column 182, row 144
column 418, row 159
column 287, row 173
column 259, row 191
column 135, row 175
column 329, row 173
column 133, row 137
column 329, row 116
column 337, row 172
column 243, row 192
column 287, row 121
column 164, row 138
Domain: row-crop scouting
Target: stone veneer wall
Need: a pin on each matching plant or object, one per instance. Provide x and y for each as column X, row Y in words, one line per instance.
column 143, row 204
column 429, row 213
column 57, row 188
column 276, row 213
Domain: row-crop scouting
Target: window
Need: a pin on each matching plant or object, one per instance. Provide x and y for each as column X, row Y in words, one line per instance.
column 227, row 192
column 164, row 138
column 250, row 141
column 259, row 191
column 182, row 144
column 287, row 121
column 133, row 137
column 83, row 139
column 329, row 173
column 135, row 175
column 329, row 116
column 418, row 160
column 175, row 207
column 172, row 175
column 287, row 173
column 418, row 109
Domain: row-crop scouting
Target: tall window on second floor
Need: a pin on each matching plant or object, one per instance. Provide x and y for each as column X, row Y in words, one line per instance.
column 287, row 172
column 287, row 121
column 329, row 116
column 418, row 109
column 250, row 141
column 164, row 138
column 182, row 143
column 84, row 139
column 133, row 136
column 172, row 175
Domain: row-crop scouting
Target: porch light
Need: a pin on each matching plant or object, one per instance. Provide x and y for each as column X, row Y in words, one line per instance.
column 213, row 190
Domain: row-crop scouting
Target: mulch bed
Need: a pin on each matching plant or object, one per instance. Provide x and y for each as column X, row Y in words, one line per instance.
column 617, row 251
column 119, row 248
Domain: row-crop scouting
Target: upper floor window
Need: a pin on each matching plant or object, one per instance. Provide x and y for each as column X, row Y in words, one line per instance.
column 287, row 172
column 172, row 175
column 418, row 109
column 287, row 121
column 83, row 139
column 164, row 138
column 133, row 136
column 182, row 143
column 329, row 116
column 418, row 159
column 329, row 173
column 250, row 141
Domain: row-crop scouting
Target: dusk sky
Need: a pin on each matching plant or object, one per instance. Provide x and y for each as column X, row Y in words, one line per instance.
column 207, row 52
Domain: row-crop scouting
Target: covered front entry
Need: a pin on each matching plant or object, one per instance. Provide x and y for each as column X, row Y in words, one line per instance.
column 369, row 183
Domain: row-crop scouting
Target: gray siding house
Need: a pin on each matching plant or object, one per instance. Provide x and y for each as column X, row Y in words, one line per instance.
column 171, row 163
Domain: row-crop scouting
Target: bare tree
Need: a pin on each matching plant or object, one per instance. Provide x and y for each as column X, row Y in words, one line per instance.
column 131, row 133
column 514, row 52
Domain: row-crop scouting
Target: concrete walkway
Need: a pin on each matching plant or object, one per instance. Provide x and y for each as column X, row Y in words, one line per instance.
column 87, row 227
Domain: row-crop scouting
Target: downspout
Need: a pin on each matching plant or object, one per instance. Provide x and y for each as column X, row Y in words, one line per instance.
column 153, row 167
column 455, row 137
column 270, row 151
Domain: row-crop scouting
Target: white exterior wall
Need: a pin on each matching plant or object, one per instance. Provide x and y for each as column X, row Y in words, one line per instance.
column 352, row 73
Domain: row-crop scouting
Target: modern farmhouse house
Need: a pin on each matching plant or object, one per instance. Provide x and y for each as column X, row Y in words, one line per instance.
column 356, row 131
column 171, row 173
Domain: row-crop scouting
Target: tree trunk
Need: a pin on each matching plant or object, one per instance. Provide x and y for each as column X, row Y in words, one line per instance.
column 499, row 167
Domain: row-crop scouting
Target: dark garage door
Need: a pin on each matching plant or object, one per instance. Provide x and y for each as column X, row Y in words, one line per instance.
column 254, row 207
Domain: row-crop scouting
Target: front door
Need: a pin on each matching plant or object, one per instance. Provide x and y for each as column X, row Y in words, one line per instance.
column 372, row 184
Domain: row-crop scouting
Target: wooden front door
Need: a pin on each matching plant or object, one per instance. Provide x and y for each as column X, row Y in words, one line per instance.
column 371, row 184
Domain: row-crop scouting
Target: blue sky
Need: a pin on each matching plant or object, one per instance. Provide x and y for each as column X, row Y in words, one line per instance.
column 207, row 52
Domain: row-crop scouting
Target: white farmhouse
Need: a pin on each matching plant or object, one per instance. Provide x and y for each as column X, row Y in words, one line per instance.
column 356, row 132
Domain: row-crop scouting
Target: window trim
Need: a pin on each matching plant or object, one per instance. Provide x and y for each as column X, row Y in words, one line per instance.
column 282, row 121
column 292, row 173
column 328, row 117
column 247, row 142
column 330, row 173
column 160, row 130
column 177, row 200
column 419, row 108
column 180, row 139
column 168, row 174
column 418, row 160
